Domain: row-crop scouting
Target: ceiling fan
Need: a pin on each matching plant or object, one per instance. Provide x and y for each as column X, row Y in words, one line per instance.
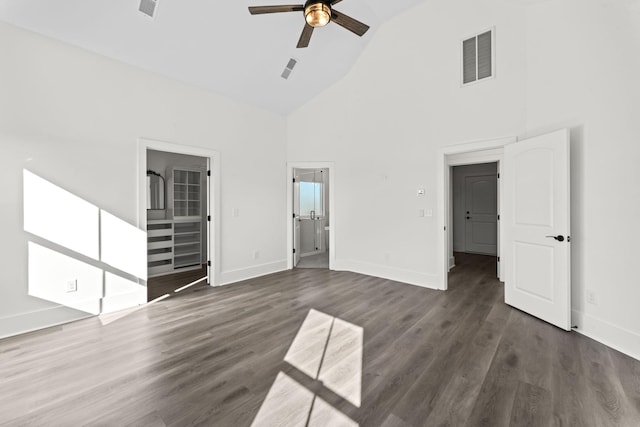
column 317, row 13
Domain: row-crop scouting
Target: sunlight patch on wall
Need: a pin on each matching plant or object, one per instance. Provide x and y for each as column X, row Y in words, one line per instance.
column 120, row 293
column 123, row 246
column 55, row 215
column 59, row 216
column 64, row 280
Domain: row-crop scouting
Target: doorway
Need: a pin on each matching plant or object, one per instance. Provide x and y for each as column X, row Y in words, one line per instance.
column 311, row 218
column 178, row 205
column 474, row 190
column 315, row 219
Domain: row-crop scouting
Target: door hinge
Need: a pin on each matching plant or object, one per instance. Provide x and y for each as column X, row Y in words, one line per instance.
column 294, row 250
column 498, row 217
column 209, row 263
column 294, row 180
column 498, row 176
column 208, row 173
column 445, row 228
column 498, row 259
column 294, row 215
column 209, row 218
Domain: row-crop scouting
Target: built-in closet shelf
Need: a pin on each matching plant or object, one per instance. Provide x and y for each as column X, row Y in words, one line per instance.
column 159, row 247
column 187, row 244
column 173, row 245
column 185, row 194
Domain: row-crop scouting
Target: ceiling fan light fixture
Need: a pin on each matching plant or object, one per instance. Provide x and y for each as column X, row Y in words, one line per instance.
column 317, row 14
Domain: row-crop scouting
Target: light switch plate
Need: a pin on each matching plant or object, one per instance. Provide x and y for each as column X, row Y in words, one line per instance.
column 421, row 191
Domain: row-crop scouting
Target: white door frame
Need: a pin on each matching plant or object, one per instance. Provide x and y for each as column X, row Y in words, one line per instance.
column 213, row 198
column 332, row 205
column 462, row 154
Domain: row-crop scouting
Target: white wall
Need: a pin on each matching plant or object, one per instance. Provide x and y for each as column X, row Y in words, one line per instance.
column 389, row 116
column 582, row 73
column 73, row 118
column 559, row 64
column 459, row 194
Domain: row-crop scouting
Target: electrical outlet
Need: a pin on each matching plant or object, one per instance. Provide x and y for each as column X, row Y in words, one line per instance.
column 72, row 286
column 591, row 297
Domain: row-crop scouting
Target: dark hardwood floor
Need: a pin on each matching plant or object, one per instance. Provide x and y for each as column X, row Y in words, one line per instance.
column 210, row 356
column 167, row 284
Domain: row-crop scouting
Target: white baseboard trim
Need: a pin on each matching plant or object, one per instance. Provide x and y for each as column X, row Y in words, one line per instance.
column 39, row 319
column 410, row 277
column 621, row 339
column 233, row 276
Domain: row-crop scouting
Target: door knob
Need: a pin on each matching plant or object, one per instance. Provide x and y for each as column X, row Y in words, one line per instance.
column 559, row 237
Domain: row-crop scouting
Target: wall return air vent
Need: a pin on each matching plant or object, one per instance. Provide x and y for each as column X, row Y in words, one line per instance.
column 148, row 7
column 478, row 57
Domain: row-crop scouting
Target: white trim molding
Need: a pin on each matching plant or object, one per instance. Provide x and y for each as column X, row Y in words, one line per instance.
column 234, row 276
column 409, row 277
column 621, row 339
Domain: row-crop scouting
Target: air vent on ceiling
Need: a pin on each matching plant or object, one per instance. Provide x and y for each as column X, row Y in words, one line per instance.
column 148, row 7
column 477, row 57
column 289, row 68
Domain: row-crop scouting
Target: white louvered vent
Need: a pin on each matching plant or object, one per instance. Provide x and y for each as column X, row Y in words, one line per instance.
column 148, row 7
column 477, row 57
column 289, row 68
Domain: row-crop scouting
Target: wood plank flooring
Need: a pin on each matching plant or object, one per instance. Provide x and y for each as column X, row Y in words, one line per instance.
column 210, row 356
column 167, row 284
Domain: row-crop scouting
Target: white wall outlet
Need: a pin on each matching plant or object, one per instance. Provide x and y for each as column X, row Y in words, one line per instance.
column 429, row 212
column 235, row 212
column 591, row 297
column 420, row 213
column 72, row 285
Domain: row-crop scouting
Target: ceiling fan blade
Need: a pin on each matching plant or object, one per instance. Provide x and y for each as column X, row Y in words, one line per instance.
column 349, row 23
column 258, row 10
column 305, row 37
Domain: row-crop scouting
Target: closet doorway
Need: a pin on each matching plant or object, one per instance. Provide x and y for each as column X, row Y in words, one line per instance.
column 178, row 217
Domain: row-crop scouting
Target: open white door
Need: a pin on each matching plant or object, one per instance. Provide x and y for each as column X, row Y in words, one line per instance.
column 536, row 224
column 296, row 221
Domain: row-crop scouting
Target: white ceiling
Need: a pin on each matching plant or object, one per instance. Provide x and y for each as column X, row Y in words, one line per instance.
column 214, row 44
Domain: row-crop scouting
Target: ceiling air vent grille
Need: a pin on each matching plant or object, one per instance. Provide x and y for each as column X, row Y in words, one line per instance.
column 478, row 57
column 148, row 7
column 289, row 68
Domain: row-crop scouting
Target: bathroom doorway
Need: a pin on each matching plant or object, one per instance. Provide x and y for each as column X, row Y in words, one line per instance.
column 310, row 207
column 311, row 221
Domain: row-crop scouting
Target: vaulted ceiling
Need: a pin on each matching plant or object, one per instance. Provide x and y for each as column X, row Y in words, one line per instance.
column 216, row 45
